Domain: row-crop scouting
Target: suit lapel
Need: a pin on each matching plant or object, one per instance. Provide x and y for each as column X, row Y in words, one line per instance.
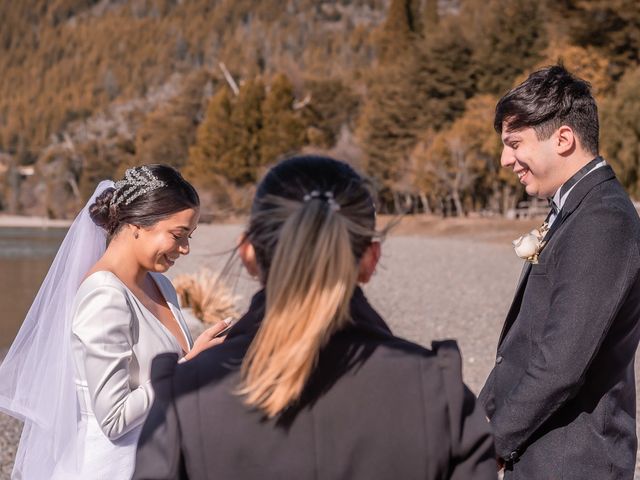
column 524, row 273
column 514, row 309
column 574, row 199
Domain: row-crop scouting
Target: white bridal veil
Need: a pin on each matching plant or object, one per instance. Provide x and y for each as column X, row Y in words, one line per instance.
column 37, row 375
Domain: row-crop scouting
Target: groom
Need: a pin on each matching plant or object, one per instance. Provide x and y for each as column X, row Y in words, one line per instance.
column 561, row 395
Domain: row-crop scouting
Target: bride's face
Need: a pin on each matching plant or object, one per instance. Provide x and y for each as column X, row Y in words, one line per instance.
column 158, row 247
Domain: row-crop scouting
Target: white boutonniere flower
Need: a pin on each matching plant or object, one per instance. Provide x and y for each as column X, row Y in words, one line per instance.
column 529, row 246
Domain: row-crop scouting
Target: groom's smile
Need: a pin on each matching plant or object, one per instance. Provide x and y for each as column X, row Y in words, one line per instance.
column 521, row 175
column 532, row 160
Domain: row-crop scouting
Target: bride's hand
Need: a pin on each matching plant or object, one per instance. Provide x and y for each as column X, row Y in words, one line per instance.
column 208, row 339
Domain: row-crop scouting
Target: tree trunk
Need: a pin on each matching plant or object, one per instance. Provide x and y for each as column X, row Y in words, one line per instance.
column 455, row 195
column 409, row 203
column 396, row 203
column 505, row 199
column 14, row 190
column 425, row 203
column 74, row 187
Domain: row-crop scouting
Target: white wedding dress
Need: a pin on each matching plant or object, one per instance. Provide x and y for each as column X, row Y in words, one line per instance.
column 114, row 339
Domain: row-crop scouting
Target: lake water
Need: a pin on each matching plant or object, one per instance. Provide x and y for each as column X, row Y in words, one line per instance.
column 25, row 257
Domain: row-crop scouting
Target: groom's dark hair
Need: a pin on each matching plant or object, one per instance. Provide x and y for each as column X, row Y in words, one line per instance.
column 548, row 99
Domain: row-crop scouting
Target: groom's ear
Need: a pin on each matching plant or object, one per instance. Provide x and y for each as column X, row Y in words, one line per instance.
column 565, row 140
column 248, row 256
column 369, row 262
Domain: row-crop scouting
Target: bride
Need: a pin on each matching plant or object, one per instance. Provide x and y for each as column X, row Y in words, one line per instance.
column 78, row 373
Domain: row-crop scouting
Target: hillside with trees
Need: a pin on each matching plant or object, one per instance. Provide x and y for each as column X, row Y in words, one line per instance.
column 402, row 89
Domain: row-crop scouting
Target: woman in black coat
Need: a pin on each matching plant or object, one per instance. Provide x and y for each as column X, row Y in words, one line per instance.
column 310, row 383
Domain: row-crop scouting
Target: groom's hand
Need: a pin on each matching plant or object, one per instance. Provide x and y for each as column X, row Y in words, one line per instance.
column 207, row 339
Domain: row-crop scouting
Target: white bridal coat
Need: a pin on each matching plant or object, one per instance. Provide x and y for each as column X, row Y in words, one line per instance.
column 115, row 338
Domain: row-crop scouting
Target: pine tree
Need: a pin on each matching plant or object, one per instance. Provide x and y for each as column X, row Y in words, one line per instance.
column 425, row 88
column 612, row 26
column 169, row 131
column 508, row 37
column 431, row 16
column 398, row 31
column 102, row 162
column 283, row 129
column 333, row 103
column 445, row 74
column 242, row 135
column 387, row 129
column 621, row 133
column 243, row 163
column 387, row 126
column 209, row 156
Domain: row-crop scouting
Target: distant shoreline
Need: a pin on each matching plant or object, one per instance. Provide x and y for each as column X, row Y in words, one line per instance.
column 19, row 221
column 491, row 229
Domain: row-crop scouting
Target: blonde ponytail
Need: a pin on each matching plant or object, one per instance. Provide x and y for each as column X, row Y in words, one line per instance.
column 310, row 281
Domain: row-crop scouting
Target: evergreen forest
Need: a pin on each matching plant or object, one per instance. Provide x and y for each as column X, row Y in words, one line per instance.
column 404, row 90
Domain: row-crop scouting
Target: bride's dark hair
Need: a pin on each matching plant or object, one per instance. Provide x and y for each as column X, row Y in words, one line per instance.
column 148, row 208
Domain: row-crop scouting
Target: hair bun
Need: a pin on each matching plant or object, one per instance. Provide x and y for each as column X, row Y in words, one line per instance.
column 101, row 212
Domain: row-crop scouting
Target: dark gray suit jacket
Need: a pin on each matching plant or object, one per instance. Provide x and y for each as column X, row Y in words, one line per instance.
column 561, row 396
column 376, row 407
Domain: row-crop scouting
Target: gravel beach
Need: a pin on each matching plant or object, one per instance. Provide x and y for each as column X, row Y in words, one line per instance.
column 427, row 288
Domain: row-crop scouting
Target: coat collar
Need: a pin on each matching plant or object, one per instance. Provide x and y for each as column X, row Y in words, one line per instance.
column 584, row 186
column 578, row 194
column 560, row 196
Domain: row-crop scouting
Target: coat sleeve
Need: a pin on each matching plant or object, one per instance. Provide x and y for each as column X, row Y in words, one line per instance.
column 159, row 455
column 102, row 331
column 472, row 452
column 591, row 273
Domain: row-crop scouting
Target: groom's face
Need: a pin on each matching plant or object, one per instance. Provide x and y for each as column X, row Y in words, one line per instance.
column 532, row 160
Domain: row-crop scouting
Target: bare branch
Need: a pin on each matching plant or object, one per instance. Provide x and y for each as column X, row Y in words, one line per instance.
column 232, row 83
column 299, row 104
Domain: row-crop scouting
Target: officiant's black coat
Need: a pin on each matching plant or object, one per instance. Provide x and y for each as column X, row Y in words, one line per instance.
column 561, row 396
column 376, row 407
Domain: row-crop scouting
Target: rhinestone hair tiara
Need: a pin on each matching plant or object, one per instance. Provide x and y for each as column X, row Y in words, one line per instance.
column 137, row 181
